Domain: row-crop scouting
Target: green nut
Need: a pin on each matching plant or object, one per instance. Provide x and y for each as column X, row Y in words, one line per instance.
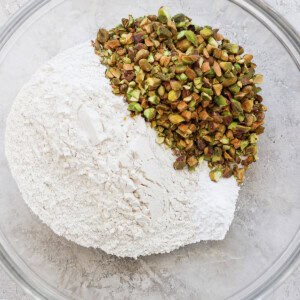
column 215, row 175
column 258, row 78
column 232, row 48
column 244, row 144
column 134, row 106
column 205, row 96
column 179, row 18
column 207, row 91
column 225, row 65
column 234, row 88
column 253, row 138
column 153, row 83
column 163, row 15
column 133, row 95
column 190, row 35
column 149, row 113
column 154, row 99
column 176, row 119
column 198, row 83
column 161, row 90
column 221, row 100
column 206, row 32
column 213, row 42
column 173, row 95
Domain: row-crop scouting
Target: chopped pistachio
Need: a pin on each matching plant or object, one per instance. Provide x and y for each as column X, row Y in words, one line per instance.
column 161, row 90
column 180, row 163
column 190, row 35
column 232, row 48
column 154, row 99
column 226, row 66
column 133, row 95
column 163, row 15
column 173, row 95
column 176, row 85
column 218, row 88
column 221, row 100
column 176, row 119
column 206, row 32
column 153, row 83
column 160, row 139
column 149, row 113
column 213, row 42
column 215, row 175
column 145, row 65
column 192, row 85
column 258, row 78
column 134, row 106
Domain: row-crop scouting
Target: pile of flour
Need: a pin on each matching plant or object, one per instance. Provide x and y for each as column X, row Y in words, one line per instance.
column 96, row 176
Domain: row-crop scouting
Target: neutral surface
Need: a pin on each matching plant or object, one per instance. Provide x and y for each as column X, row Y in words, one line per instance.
column 290, row 290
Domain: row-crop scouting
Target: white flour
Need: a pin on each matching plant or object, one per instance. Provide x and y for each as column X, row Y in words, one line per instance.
column 101, row 180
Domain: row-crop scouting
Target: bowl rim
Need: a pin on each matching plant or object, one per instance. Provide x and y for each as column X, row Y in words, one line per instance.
column 282, row 267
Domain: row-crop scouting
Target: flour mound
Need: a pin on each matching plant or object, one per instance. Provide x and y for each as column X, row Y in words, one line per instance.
column 96, row 176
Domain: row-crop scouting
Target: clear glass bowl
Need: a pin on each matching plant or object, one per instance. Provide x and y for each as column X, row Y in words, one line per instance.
column 262, row 245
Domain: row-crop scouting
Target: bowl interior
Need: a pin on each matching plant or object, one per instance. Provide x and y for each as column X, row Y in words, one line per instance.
column 267, row 216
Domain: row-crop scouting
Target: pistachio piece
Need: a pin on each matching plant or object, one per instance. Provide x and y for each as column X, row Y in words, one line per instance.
column 192, row 161
column 205, row 67
column 154, row 99
column 218, row 88
column 134, row 106
column 217, row 69
column 190, row 35
column 190, row 73
column 179, row 18
column 164, row 32
column 206, row 32
column 234, row 89
column 247, row 105
column 160, row 140
column 163, row 15
column 232, row 48
column 183, row 45
column 176, row 85
column 180, row 163
column 149, row 113
column 258, row 78
column 133, row 95
column 229, row 81
column 221, row 100
column 213, row 42
column 198, row 83
column 176, row 119
column 189, row 59
column 141, row 54
column 112, row 44
column 153, row 83
column 215, row 175
column 173, row 95
column 161, row 91
column 226, row 66
column 145, row 65
column 182, row 106
column 180, row 69
column 102, row 36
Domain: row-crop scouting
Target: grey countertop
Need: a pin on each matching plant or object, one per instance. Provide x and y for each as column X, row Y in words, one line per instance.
column 290, row 289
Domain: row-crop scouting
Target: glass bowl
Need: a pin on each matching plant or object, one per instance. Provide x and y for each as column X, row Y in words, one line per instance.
column 262, row 246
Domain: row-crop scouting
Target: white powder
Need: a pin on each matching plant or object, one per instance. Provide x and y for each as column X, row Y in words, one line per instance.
column 101, row 180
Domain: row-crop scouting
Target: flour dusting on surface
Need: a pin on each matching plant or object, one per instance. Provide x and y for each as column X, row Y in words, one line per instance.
column 97, row 176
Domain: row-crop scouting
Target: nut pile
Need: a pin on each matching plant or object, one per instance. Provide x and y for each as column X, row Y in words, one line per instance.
column 195, row 87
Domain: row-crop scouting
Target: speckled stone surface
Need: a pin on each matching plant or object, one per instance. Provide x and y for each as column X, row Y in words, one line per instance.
column 290, row 289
